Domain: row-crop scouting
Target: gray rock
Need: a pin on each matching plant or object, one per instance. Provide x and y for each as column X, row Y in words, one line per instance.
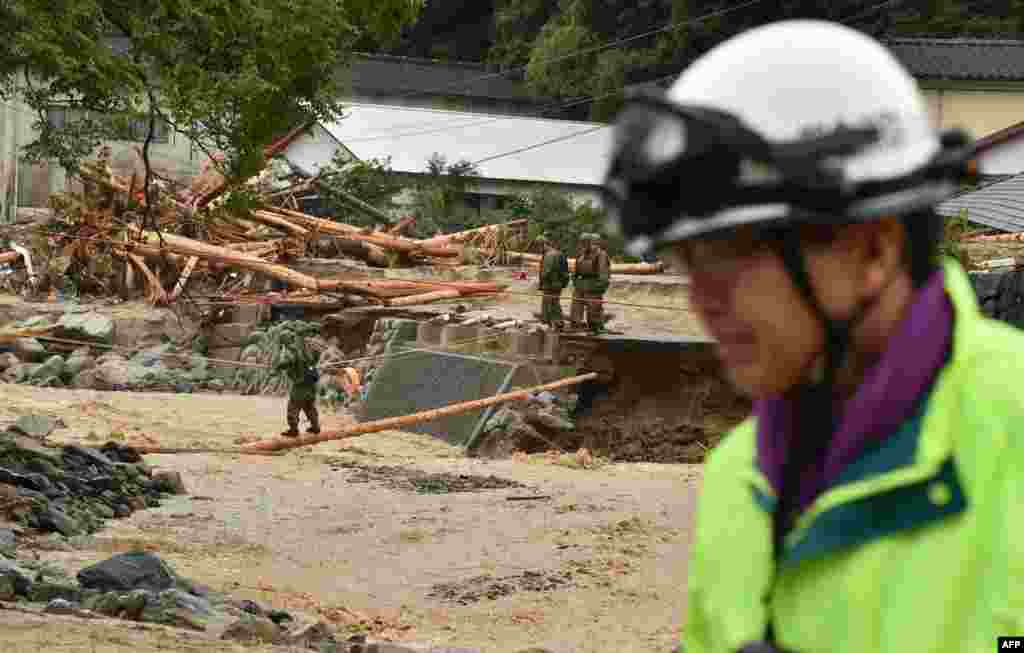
column 14, row 579
column 88, row 455
column 8, row 588
column 8, row 360
column 128, row 571
column 92, row 327
column 51, row 367
column 109, row 357
column 29, row 350
column 170, row 482
column 54, row 519
column 7, row 542
column 251, row 628
column 21, row 373
column 37, row 426
column 88, row 379
column 46, row 591
column 113, row 374
column 78, row 363
column 186, row 601
column 60, row 606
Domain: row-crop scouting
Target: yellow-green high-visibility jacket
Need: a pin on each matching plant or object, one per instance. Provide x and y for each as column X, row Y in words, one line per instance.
column 918, row 547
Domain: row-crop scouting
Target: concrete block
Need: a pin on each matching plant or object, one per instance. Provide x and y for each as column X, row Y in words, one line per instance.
column 232, row 334
column 429, row 334
column 408, row 384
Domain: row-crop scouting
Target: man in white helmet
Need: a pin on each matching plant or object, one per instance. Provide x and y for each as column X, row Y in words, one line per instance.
column 875, row 499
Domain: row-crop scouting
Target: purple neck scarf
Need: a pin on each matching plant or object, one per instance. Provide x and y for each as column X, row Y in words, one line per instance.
column 887, row 397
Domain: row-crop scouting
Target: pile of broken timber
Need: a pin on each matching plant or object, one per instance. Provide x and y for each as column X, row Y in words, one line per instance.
column 257, row 242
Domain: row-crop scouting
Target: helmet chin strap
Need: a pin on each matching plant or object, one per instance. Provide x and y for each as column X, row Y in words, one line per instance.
column 815, row 422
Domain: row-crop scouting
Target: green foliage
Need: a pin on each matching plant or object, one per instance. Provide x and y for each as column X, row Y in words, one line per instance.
column 954, row 229
column 228, row 75
column 437, row 198
column 554, row 214
column 372, row 181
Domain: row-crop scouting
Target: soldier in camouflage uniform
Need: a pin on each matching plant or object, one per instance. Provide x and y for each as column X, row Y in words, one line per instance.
column 590, row 282
column 299, row 364
column 554, row 277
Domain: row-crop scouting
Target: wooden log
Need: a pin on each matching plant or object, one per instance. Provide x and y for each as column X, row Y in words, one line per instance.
column 363, row 251
column 402, row 226
column 424, row 298
column 462, row 236
column 183, row 279
column 224, row 256
column 379, row 238
column 155, row 293
column 397, row 423
column 277, row 221
column 1013, row 237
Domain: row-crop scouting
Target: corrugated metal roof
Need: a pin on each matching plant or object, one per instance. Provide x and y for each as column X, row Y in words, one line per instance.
column 999, row 205
column 960, row 58
column 410, row 136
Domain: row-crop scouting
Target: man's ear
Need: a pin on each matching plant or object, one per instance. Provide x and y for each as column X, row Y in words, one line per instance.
column 881, row 248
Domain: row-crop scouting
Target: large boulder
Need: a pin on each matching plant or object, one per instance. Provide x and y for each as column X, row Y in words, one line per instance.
column 7, row 361
column 53, row 367
column 14, row 581
column 90, row 327
column 78, row 362
column 114, row 374
column 37, row 426
column 20, row 373
column 29, row 350
column 128, row 571
column 7, row 542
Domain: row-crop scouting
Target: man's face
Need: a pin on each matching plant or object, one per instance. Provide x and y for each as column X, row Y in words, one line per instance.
column 769, row 339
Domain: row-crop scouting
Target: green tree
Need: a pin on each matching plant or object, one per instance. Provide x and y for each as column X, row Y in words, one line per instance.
column 228, row 74
column 438, row 197
column 371, row 181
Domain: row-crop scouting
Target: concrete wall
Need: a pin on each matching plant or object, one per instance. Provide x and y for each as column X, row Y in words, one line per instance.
column 981, row 110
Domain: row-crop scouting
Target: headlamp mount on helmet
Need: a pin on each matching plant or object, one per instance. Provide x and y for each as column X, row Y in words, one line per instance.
column 684, row 171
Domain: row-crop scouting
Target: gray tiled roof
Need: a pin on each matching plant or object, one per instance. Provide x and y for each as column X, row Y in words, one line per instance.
column 999, row 205
column 960, row 58
column 384, row 74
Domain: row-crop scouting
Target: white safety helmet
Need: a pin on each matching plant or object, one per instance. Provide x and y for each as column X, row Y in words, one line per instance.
column 796, row 121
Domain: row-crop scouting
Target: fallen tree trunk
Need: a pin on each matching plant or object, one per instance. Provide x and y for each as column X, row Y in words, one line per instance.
column 183, row 279
column 277, row 221
column 397, row 423
column 363, row 251
column 155, row 293
column 189, row 247
column 462, row 236
column 424, row 298
column 381, row 239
